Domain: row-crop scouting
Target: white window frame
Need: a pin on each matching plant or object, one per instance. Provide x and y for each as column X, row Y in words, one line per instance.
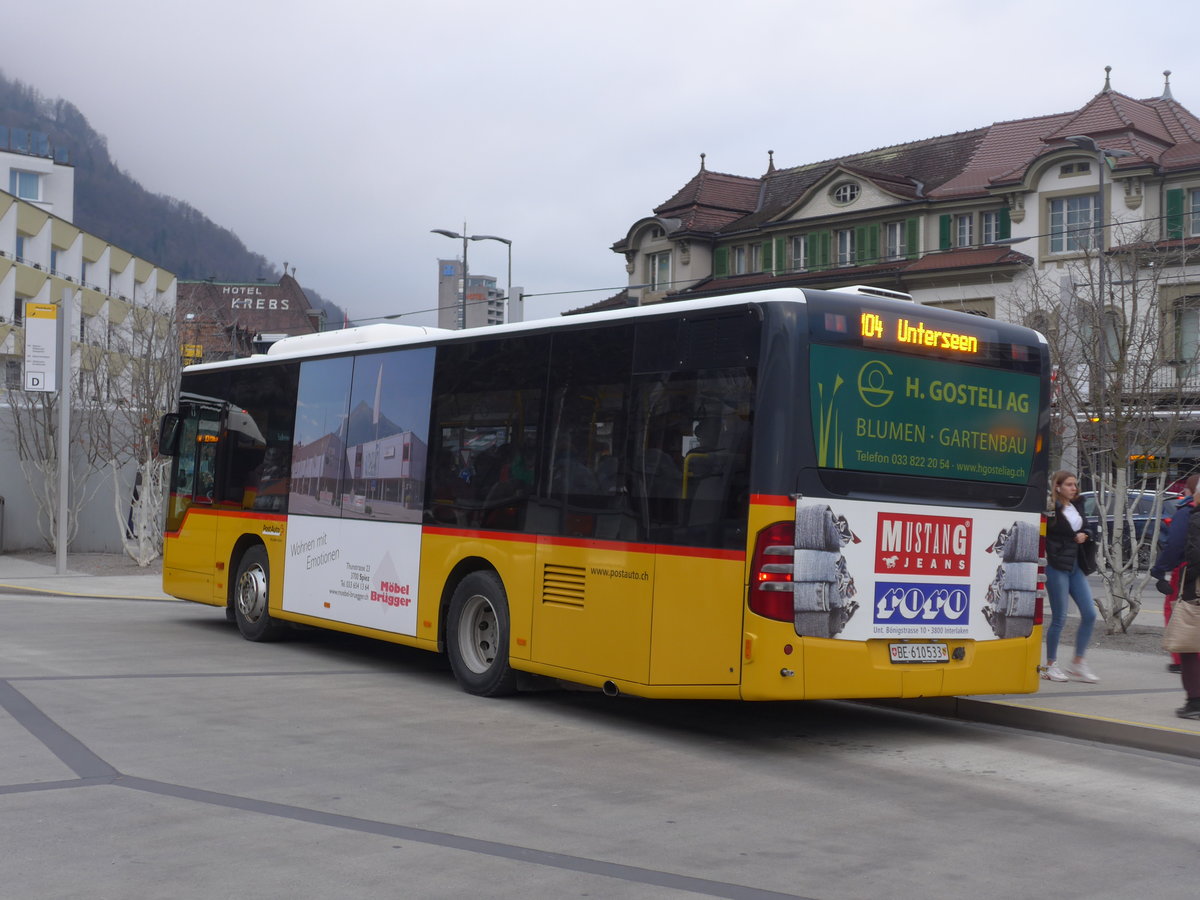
column 738, row 263
column 989, row 226
column 800, row 253
column 16, row 177
column 845, row 193
column 845, row 247
column 896, row 240
column 655, row 263
column 756, row 258
column 1069, row 231
column 964, row 230
column 1194, row 210
column 1185, row 333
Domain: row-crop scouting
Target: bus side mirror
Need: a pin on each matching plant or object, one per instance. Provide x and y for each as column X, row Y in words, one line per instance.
column 169, row 430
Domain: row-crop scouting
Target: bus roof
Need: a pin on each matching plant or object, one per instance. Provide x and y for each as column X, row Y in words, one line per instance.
column 381, row 336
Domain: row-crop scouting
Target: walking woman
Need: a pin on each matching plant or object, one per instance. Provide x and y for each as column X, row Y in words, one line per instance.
column 1066, row 535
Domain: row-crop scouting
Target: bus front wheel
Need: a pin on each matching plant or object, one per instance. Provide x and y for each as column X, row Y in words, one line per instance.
column 251, row 592
column 478, row 634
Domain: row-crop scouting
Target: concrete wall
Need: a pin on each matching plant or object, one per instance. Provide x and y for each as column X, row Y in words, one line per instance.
column 99, row 531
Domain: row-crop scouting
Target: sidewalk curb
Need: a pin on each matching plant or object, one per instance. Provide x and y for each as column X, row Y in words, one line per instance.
column 1158, row 739
column 89, row 595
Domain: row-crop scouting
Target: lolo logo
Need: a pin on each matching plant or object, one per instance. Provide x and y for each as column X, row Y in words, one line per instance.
column 921, row 604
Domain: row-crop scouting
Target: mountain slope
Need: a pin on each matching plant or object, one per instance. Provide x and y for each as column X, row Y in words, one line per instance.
column 111, row 204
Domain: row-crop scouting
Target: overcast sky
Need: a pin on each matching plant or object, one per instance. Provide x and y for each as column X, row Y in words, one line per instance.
column 336, row 135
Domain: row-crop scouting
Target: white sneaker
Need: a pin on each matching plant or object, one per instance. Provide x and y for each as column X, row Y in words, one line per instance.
column 1081, row 672
column 1053, row 673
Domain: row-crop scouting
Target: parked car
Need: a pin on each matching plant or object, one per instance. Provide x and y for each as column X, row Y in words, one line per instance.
column 1141, row 509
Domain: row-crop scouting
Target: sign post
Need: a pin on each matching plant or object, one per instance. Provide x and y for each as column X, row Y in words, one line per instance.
column 64, row 427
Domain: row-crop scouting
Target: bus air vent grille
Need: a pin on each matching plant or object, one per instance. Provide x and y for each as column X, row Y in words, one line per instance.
column 563, row 585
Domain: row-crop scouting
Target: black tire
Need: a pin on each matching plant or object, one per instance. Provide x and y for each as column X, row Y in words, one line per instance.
column 251, row 597
column 477, row 636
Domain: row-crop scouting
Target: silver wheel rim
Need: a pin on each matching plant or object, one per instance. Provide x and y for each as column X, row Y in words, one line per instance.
column 252, row 593
column 478, row 634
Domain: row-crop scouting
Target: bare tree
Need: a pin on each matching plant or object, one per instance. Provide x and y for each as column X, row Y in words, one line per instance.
column 1123, row 382
column 34, row 423
column 132, row 371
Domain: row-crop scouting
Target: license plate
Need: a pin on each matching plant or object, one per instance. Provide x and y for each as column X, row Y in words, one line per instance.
column 919, row 653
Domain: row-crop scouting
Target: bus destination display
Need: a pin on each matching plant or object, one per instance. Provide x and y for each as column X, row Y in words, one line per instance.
column 887, row 412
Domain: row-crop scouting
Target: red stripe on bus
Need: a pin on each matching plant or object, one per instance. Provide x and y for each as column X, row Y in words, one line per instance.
column 772, row 500
column 586, row 543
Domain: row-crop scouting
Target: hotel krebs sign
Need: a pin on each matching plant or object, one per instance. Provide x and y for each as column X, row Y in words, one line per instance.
column 253, row 297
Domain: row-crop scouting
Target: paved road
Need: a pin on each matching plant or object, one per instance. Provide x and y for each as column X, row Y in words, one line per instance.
column 147, row 751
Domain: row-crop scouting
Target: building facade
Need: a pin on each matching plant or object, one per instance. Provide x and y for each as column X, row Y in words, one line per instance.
column 228, row 320
column 485, row 300
column 119, row 309
column 1015, row 220
column 43, row 259
column 33, row 170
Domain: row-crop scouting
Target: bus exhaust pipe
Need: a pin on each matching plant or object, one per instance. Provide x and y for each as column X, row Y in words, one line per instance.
column 610, row 689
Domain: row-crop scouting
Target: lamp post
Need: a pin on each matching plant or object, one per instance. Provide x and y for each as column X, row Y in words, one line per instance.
column 462, row 309
column 464, row 237
column 507, row 243
column 1083, row 142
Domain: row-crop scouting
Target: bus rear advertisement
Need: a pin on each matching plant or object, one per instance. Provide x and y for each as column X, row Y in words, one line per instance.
column 788, row 494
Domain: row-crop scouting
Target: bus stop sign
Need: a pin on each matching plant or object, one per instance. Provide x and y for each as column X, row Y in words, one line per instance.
column 41, row 347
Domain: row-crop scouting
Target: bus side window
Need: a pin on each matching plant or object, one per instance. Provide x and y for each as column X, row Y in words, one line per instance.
column 692, row 456
column 588, row 425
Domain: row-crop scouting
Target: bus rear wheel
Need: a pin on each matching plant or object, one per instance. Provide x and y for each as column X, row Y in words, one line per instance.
column 251, row 597
column 477, row 636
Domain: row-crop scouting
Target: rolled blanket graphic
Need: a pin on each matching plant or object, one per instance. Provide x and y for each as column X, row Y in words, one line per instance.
column 1019, row 576
column 1022, row 543
column 1020, row 603
column 816, row 565
column 813, row 596
column 815, row 529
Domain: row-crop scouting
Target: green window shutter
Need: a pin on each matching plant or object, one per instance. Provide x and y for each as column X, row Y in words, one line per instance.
column 912, row 237
column 721, row 262
column 860, row 244
column 780, row 254
column 819, row 249
column 1174, row 213
column 944, row 242
column 873, row 255
column 1005, row 224
column 767, row 264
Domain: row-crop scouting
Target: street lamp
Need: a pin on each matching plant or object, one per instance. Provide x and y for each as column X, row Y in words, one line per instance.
column 464, row 237
column 508, row 243
column 1103, row 154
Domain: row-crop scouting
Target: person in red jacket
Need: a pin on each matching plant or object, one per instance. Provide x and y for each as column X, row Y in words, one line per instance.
column 1170, row 562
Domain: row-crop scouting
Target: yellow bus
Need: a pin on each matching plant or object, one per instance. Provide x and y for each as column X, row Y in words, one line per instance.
column 779, row 495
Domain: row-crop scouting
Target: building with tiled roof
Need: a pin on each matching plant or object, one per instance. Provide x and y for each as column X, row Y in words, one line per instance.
column 952, row 220
column 226, row 320
column 1001, row 221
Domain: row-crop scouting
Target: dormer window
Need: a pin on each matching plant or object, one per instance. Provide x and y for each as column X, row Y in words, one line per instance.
column 657, row 232
column 844, row 193
column 1075, row 168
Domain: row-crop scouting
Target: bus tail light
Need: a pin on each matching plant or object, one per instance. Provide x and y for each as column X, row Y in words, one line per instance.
column 771, row 587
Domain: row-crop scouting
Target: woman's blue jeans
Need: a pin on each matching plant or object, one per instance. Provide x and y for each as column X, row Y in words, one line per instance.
column 1058, row 585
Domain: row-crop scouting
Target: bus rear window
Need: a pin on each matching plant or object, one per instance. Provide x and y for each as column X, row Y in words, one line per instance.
column 886, row 412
